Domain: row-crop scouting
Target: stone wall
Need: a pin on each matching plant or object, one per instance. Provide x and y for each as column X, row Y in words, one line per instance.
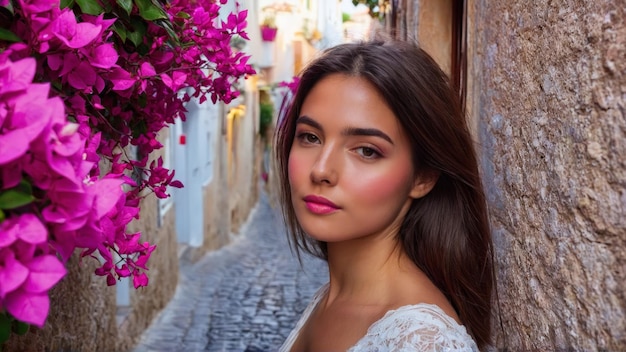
column 547, row 102
column 549, row 94
column 81, row 318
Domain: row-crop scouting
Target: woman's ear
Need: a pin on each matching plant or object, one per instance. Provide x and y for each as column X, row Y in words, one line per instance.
column 424, row 182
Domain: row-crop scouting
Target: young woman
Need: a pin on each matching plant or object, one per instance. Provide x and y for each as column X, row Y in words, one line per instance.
column 380, row 178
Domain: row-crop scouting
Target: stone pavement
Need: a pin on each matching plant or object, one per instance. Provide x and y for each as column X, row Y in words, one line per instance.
column 246, row 296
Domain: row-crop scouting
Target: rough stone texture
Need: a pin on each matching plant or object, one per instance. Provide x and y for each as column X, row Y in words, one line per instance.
column 550, row 95
column 547, row 103
column 81, row 318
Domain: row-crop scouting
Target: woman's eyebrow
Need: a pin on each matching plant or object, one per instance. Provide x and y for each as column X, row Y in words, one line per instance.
column 350, row 131
column 355, row 131
column 309, row 121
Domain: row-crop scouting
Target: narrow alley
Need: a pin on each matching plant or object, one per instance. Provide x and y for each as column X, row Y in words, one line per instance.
column 246, row 296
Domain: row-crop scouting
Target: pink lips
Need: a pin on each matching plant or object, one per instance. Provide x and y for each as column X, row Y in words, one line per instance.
column 320, row 205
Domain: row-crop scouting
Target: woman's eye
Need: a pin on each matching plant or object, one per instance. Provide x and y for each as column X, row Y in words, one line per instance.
column 308, row 138
column 368, row 153
column 311, row 138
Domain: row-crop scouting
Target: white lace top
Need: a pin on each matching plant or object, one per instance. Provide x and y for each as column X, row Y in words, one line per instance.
column 419, row 327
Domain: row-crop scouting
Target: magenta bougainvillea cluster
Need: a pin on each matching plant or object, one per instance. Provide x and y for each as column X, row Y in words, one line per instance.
column 82, row 84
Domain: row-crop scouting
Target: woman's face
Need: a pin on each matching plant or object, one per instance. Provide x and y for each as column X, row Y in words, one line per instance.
column 350, row 165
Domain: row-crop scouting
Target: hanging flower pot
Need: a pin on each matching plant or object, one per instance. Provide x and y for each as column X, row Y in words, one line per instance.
column 268, row 34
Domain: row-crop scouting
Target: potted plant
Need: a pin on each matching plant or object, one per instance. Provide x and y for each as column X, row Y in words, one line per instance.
column 266, row 116
column 268, row 29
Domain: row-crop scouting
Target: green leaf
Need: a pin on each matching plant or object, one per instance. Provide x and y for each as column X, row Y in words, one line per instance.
column 149, row 11
column 67, row 4
column 108, row 7
column 135, row 37
column 17, row 196
column 127, row 5
column 20, row 327
column 5, row 328
column 167, row 25
column 90, row 7
column 9, row 36
column 2, row 216
column 120, row 30
column 182, row 14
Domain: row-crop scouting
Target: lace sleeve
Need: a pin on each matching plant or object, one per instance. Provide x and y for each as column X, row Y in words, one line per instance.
column 421, row 327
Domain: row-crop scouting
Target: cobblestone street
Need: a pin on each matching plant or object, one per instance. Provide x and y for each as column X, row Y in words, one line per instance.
column 246, row 296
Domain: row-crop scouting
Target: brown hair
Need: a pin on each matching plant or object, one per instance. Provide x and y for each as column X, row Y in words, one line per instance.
column 446, row 233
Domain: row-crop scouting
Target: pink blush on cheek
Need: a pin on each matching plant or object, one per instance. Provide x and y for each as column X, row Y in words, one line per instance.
column 376, row 188
column 292, row 169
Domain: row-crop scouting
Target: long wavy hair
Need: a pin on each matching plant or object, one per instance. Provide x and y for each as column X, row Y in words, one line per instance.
column 446, row 233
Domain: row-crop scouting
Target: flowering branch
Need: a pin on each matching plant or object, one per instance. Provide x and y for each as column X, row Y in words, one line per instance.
column 79, row 83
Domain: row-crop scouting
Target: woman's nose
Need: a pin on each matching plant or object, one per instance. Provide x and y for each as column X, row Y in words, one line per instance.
column 325, row 169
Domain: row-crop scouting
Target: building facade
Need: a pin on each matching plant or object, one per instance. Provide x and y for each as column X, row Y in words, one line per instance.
column 544, row 87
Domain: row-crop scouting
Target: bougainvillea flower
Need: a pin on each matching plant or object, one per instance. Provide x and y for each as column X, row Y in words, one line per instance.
column 32, row 111
column 11, row 174
column 99, row 21
column 109, row 97
column 146, row 70
column 31, row 308
column 82, row 76
column 70, row 204
column 39, row 6
column 64, row 243
column 121, row 79
column 69, row 61
column 55, row 61
column 140, row 280
column 26, row 227
column 74, row 35
column 103, row 56
column 107, row 193
column 31, row 230
column 40, row 172
column 13, row 144
column 176, row 81
column 12, row 273
column 16, row 76
column 44, row 272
